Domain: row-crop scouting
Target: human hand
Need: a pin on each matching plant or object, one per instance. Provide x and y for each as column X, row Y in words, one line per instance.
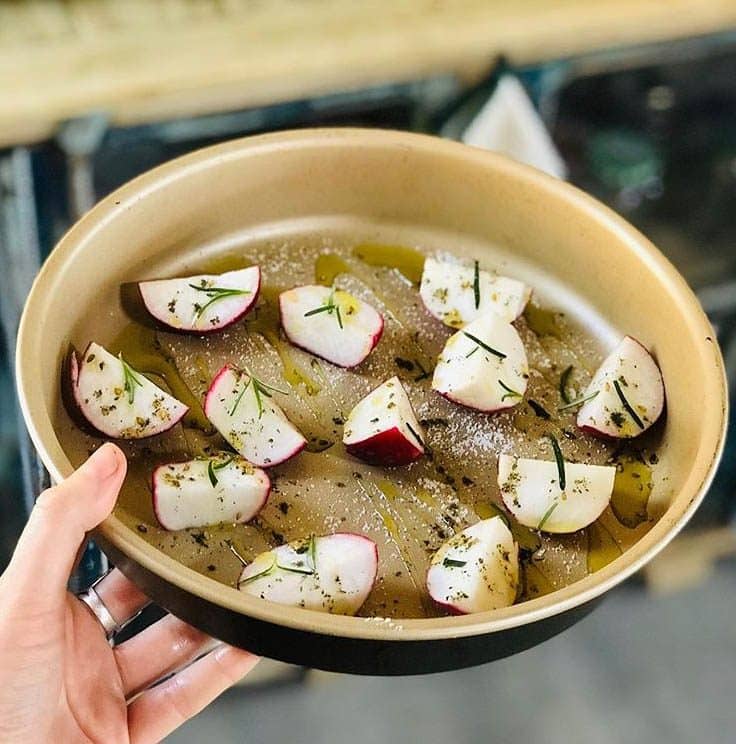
column 60, row 680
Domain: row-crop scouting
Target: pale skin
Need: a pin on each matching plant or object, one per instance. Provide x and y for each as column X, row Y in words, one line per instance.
column 60, row 680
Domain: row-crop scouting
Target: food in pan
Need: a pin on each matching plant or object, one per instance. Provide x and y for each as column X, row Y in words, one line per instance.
column 432, row 439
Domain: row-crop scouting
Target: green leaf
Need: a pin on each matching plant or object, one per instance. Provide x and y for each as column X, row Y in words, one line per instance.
column 560, row 461
column 627, row 405
column 564, row 379
column 579, row 401
column 214, row 294
column 476, row 285
column 509, row 392
column 452, row 563
column 547, row 515
column 211, row 474
column 130, row 379
column 484, row 345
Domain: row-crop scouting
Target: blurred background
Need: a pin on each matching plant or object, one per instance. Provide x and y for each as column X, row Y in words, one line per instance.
column 634, row 101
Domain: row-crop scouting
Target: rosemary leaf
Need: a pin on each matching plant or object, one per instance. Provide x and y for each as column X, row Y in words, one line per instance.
column 484, row 345
column 579, row 401
column 564, row 379
column 547, row 515
column 476, row 285
column 560, row 461
column 627, row 405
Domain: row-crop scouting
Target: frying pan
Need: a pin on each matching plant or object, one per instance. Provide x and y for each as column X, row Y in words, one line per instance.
column 406, row 188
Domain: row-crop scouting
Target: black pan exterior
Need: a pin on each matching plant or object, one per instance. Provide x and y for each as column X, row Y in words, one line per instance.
column 337, row 653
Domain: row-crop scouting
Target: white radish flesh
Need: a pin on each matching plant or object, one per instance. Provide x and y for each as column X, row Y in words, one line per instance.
column 531, row 491
column 476, row 570
column 242, row 409
column 330, row 323
column 334, row 573
column 457, row 294
column 203, row 303
column 626, row 394
column 483, row 366
column 119, row 401
column 198, row 493
column 383, row 429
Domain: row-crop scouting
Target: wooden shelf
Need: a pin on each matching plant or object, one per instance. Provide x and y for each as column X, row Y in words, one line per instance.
column 140, row 61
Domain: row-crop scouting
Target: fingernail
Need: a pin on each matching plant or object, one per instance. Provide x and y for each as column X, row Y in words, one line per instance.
column 106, row 461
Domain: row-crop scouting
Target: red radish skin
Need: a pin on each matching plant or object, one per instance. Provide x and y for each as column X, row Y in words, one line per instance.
column 74, row 372
column 206, row 331
column 389, row 447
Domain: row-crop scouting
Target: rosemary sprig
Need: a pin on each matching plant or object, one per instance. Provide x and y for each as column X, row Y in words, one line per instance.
column 260, row 574
column 214, row 294
column 560, row 461
column 452, row 563
column 578, row 401
column 130, row 379
column 212, row 467
column 260, row 388
column 564, row 379
column 476, row 285
column 627, row 405
column 416, row 436
column 313, row 552
column 484, row 345
column 509, row 392
column 547, row 515
column 329, row 308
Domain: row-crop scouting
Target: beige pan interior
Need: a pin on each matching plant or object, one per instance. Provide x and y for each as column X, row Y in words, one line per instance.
column 398, row 188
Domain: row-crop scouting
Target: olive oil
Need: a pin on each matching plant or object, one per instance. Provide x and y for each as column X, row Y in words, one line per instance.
column 327, row 266
column 409, row 262
column 631, row 490
column 542, row 322
column 142, row 350
column 602, row 547
column 265, row 320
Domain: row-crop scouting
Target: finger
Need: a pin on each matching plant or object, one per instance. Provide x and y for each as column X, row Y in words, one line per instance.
column 47, row 548
column 160, row 710
column 161, row 648
column 121, row 596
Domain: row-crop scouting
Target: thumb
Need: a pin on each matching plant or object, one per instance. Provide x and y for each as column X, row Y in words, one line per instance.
column 48, row 546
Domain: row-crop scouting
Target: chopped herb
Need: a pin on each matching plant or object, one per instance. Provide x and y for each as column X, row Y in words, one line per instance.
column 627, row 405
column 404, row 364
column 260, row 574
column 130, row 379
column 509, row 392
column 452, row 563
column 560, row 461
column 416, row 436
column 211, row 474
column 484, row 345
column 476, row 285
column 539, row 410
column 472, row 351
column 329, row 308
column 214, row 294
column 313, row 552
column 547, row 515
column 578, row 402
column 564, row 379
column 260, row 388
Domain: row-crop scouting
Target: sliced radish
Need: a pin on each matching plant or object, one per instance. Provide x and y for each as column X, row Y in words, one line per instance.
column 242, row 409
column 204, row 303
column 476, row 570
column 334, row 573
column 330, row 323
column 457, row 294
column 119, row 401
column 626, row 395
column 198, row 493
column 483, row 366
column 382, row 429
column 531, row 491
